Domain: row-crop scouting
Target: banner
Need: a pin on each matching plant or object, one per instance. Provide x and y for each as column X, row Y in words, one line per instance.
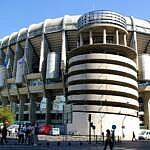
column 20, row 70
column 43, row 104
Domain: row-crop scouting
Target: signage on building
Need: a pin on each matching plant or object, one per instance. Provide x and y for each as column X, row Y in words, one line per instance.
column 55, row 131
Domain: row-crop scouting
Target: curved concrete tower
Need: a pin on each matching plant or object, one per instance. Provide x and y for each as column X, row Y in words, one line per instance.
column 102, row 76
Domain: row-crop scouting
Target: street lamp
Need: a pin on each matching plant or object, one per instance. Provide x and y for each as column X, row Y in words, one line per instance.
column 122, row 125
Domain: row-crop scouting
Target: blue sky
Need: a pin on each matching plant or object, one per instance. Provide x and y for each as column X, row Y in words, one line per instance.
column 16, row 14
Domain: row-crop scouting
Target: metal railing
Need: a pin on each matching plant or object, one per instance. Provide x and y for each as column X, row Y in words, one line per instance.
column 101, row 16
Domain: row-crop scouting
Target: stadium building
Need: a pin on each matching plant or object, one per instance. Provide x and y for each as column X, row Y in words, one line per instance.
column 61, row 70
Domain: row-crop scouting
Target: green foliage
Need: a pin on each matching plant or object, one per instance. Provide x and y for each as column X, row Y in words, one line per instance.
column 6, row 114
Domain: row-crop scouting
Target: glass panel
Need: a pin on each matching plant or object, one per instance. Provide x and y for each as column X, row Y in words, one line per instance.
column 37, row 82
column 59, row 103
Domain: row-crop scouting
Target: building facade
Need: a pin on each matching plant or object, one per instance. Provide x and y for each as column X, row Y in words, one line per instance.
column 61, row 70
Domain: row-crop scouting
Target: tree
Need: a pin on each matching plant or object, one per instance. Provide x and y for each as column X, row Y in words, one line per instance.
column 6, row 115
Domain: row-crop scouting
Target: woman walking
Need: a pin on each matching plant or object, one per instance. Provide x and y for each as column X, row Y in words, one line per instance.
column 108, row 140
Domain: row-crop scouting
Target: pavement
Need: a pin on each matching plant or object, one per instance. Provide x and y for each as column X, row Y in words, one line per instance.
column 55, row 143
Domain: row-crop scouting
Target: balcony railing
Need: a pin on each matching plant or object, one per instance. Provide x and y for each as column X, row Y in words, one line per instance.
column 102, row 17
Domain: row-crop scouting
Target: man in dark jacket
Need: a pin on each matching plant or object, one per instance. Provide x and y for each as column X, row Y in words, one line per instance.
column 4, row 134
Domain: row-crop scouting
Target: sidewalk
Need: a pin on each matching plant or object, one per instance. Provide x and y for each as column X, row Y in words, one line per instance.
column 72, row 143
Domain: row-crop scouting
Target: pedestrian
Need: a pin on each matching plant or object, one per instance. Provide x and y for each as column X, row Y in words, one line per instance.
column 35, row 134
column 26, row 132
column 133, row 137
column 103, row 137
column 30, row 134
column 20, row 135
column 108, row 140
column 4, row 134
column 113, row 137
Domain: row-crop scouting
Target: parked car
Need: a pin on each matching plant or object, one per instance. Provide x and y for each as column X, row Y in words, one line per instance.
column 45, row 129
column 144, row 135
column 12, row 129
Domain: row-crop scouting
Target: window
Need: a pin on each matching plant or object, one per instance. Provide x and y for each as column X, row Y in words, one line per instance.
column 109, row 39
column 98, row 39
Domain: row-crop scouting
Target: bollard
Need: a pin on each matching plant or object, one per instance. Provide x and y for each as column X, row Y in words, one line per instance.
column 96, row 139
column 118, row 139
column 58, row 143
column 81, row 143
column 69, row 143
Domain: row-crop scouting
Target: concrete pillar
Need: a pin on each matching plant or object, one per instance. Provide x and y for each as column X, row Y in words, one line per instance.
column 117, row 37
column 63, row 51
column 42, row 53
column 91, row 37
column 4, row 102
column 11, row 104
column 134, row 41
column 104, row 36
column 21, row 109
column 147, row 110
column 49, row 107
column 78, row 45
column 28, row 52
column 18, row 55
column 135, row 47
column 32, row 108
column 125, row 39
column 81, row 40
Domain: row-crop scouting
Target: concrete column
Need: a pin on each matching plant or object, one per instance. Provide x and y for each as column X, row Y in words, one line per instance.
column 15, row 60
column 4, row 102
column 134, row 40
column 28, row 53
column 117, row 37
column 104, row 36
column 49, row 107
column 91, row 37
column 11, row 104
column 135, row 47
column 18, row 54
column 42, row 52
column 21, row 109
column 125, row 39
column 81, row 40
column 78, row 44
column 147, row 110
column 63, row 51
column 32, row 108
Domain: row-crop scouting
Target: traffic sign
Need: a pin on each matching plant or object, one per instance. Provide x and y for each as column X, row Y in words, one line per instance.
column 113, row 126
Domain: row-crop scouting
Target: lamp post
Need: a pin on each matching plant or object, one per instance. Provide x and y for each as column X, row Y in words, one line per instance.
column 89, row 119
column 122, row 125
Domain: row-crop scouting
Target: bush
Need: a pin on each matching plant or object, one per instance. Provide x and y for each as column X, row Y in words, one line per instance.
column 6, row 115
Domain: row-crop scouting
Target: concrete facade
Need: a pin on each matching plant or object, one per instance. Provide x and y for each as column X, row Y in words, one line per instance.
column 98, row 62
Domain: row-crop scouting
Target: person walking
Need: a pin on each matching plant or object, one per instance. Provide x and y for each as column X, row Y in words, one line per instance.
column 4, row 134
column 30, row 134
column 20, row 135
column 113, row 137
column 133, row 137
column 35, row 134
column 108, row 140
